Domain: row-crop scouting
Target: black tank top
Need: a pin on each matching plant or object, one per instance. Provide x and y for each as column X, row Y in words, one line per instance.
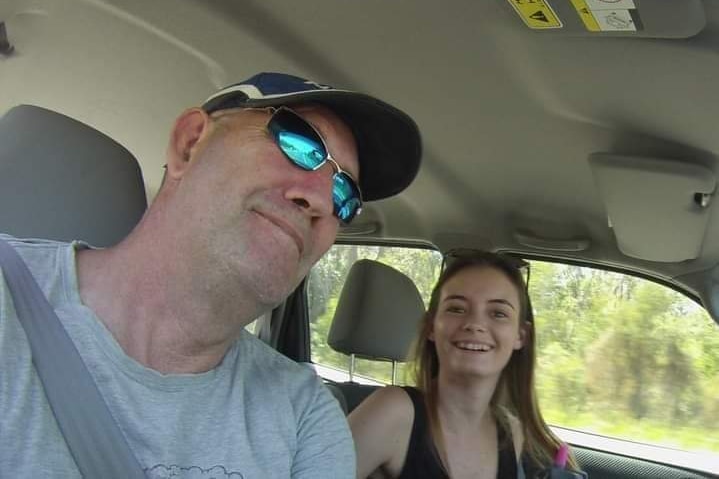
column 422, row 461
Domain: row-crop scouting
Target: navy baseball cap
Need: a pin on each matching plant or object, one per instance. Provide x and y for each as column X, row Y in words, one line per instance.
column 388, row 140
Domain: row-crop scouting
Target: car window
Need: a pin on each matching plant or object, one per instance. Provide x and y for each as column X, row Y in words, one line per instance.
column 325, row 284
column 618, row 357
column 624, row 357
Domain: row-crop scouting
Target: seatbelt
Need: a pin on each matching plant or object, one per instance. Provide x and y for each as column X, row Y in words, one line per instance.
column 95, row 441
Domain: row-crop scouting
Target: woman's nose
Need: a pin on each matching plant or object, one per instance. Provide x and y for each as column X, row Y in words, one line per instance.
column 475, row 323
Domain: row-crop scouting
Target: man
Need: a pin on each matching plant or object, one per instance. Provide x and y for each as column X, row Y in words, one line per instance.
column 258, row 181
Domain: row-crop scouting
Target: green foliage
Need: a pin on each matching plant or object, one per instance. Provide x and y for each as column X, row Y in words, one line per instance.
column 617, row 355
column 625, row 357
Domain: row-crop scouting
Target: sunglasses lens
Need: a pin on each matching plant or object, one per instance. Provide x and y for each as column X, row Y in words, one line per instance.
column 345, row 197
column 298, row 140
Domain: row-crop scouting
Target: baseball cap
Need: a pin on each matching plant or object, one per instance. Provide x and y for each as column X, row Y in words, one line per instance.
column 388, row 140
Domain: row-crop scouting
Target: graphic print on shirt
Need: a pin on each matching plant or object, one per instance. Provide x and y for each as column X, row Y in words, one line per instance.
column 161, row 471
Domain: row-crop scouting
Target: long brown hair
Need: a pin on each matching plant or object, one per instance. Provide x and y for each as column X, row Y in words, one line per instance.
column 515, row 392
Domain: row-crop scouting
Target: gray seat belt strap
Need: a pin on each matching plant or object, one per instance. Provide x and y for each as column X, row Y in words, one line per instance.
column 92, row 435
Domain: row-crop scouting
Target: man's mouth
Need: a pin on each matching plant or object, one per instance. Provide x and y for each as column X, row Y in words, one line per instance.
column 286, row 228
column 473, row 346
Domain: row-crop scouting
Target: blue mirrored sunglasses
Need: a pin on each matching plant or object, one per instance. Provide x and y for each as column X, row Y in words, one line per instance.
column 304, row 147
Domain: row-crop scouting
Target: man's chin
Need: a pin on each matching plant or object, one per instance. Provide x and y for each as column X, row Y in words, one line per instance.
column 279, row 234
column 274, row 278
column 272, row 268
column 271, row 292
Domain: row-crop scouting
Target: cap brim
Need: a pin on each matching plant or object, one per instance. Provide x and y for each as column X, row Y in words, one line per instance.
column 388, row 140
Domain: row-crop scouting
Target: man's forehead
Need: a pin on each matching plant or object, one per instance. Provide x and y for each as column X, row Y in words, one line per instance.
column 316, row 110
column 316, row 114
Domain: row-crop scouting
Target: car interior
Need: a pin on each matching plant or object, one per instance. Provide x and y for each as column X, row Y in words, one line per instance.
column 73, row 168
column 579, row 135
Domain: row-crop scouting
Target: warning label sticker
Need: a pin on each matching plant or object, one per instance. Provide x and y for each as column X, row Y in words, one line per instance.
column 610, row 4
column 608, row 15
column 536, row 14
column 586, row 15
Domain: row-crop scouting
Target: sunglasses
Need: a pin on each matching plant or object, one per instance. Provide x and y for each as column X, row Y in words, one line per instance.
column 473, row 254
column 302, row 144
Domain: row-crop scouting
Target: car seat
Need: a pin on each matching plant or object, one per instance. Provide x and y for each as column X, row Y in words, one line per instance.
column 377, row 316
column 61, row 179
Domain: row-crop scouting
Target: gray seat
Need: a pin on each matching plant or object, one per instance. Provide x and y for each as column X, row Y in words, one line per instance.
column 61, row 179
column 377, row 317
column 338, row 395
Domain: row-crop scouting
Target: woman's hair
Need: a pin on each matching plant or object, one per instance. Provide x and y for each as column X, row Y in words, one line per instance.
column 515, row 392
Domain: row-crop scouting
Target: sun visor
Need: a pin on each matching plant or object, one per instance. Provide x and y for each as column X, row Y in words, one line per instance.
column 658, row 208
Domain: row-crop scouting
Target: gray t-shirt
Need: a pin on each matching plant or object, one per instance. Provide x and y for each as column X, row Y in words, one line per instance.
column 256, row 415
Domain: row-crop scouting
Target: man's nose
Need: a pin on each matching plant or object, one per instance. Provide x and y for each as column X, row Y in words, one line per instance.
column 312, row 191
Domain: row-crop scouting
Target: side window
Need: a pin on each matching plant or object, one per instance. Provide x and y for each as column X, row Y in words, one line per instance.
column 619, row 358
column 623, row 357
column 325, row 284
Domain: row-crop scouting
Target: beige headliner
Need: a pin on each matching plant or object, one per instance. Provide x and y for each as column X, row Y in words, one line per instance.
column 509, row 116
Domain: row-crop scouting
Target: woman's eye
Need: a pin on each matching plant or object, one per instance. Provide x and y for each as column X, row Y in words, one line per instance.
column 455, row 309
column 500, row 314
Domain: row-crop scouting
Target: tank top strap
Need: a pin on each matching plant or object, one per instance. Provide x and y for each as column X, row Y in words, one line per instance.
column 422, row 459
column 507, row 460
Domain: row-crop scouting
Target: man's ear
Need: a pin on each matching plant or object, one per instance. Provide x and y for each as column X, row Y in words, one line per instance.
column 524, row 330
column 189, row 128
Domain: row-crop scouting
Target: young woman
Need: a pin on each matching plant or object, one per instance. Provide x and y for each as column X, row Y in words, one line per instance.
column 474, row 411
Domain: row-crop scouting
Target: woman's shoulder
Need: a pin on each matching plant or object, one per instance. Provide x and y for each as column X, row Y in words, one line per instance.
column 381, row 426
column 390, row 402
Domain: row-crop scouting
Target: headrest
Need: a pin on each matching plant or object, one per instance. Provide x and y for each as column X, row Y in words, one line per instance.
column 378, row 313
column 63, row 180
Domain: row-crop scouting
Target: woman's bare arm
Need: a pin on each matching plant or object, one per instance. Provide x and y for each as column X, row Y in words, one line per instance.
column 381, row 426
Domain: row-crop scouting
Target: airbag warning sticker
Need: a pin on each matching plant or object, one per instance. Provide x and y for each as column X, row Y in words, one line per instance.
column 536, row 14
column 608, row 15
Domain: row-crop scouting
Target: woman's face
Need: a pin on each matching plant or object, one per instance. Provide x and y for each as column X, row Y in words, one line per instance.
column 476, row 328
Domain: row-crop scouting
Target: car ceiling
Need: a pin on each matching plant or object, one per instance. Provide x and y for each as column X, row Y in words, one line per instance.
column 509, row 115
